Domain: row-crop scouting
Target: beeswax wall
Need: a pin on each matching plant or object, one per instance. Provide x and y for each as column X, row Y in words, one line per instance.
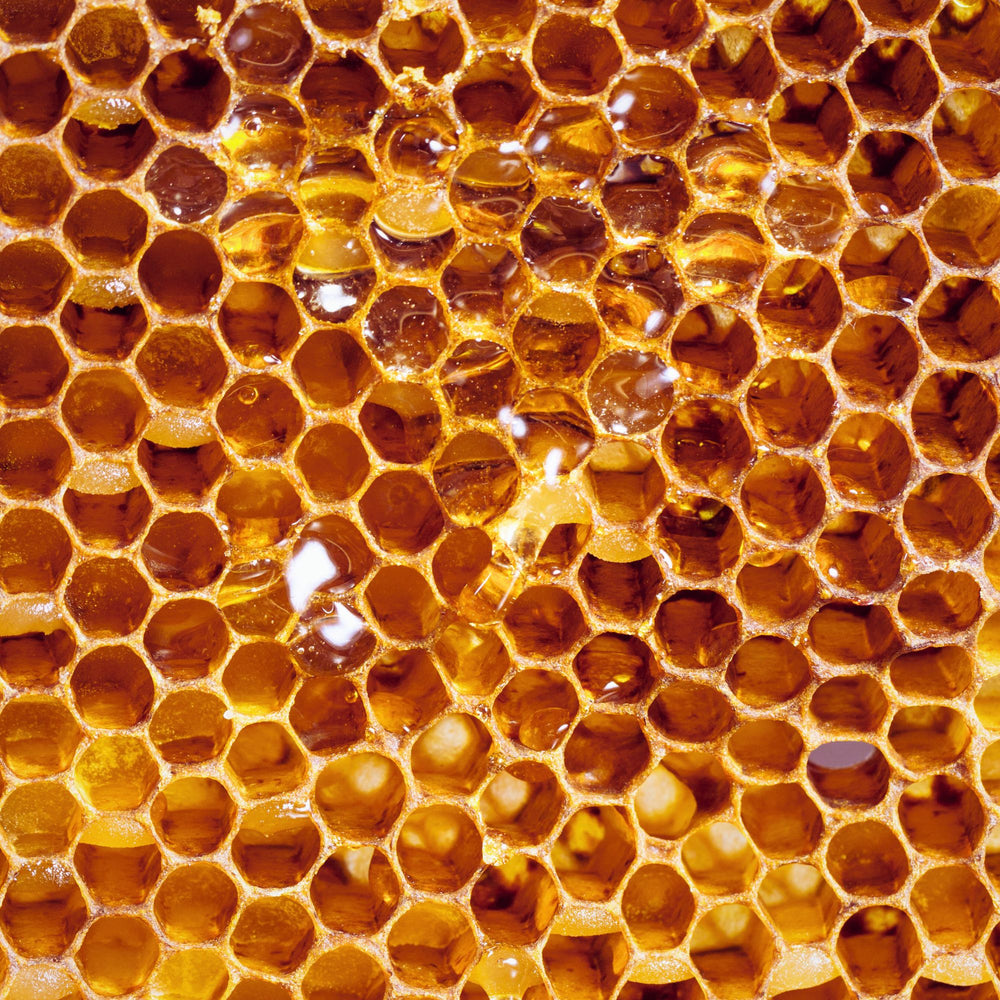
column 499, row 499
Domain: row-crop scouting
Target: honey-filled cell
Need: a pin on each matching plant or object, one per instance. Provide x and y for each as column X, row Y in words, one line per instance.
column 499, row 499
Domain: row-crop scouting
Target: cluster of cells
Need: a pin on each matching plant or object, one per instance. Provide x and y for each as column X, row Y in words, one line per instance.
column 498, row 499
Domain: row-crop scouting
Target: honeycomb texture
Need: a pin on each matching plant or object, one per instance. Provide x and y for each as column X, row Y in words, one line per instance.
column 499, row 499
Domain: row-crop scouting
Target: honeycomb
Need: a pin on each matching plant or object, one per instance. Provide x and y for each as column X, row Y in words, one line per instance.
column 499, row 499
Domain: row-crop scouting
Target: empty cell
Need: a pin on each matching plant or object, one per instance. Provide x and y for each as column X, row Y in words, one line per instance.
column 594, row 850
column 515, row 902
column 849, row 773
column 355, row 890
column 964, row 132
column 867, row 859
column 892, row 173
column 842, row 632
column 439, row 848
column 953, row 905
column 606, row 752
column 942, row 816
column 732, row 949
column 928, row 736
column 884, row 267
column 523, row 802
column 586, row 967
column 880, row 949
column 720, row 859
column 800, row 902
column 275, row 845
column 431, row 945
column 816, row 37
column 853, row 701
column 714, row 347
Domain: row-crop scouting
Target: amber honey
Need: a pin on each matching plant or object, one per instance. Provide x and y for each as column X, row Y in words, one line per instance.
column 498, row 499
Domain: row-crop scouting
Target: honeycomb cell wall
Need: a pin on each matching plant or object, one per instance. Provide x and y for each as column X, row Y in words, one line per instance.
column 498, row 499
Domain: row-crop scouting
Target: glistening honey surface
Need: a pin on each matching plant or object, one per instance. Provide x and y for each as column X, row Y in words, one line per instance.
column 499, row 499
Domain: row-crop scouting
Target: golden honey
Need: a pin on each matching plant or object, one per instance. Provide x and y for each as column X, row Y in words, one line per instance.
column 498, row 499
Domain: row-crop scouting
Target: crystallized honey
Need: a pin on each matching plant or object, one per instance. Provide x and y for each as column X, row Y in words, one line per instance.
column 498, row 499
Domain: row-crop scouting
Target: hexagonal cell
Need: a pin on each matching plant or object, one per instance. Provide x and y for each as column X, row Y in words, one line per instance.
column 41, row 983
column 259, row 506
column 869, row 458
column 345, row 972
column 195, row 903
column 652, row 107
column 587, row 967
column 34, row 459
column 184, row 551
column 690, row 712
column 734, row 67
column 947, row 516
column 720, row 859
column 186, row 184
column 563, row 239
column 859, row 551
column 816, row 37
column 776, row 586
column 606, row 752
column 37, row 24
column 963, row 124
column 961, row 227
column 939, row 602
column 116, row 772
column 265, row 135
column 783, row 497
column 180, row 272
column 401, row 421
column 554, row 431
column 616, row 589
column 112, row 688
column 722, row 253
column 960, row 320
column 341, row 93
column 259, row 678
column 426, row 41
column 34, row 551
column 866, row 859
column 275, row 845
column 405, row 691
column 616, row 668
column 327, row 715
column 594, row 850
column 32, row 365
column 43, row 910
column 648, row 28
column 34, row 93
column 402, row 512
column 273, row 935
column 714, row 347
column 265, row 760
column 118, row 861
column 490, row 191
column 38, row 736
column 928, row 736
column 105, row 228
column 892, row 81
column 842, row 632
column 854, row 701
column 515, row 902
column 431, row 945
column 260, row 234
column 657, row 907
column 954, row 414
column 934, row 672
column 953, row 905
column 355, row 890
column 806, row 213
column 942, row 816
column 664, row 805
column 781, row 819
column 40, row 818
column 892, row 173
column 572, row 143
column 790, row 402
column 880, row 949
column 267, row 45
column 193, row 815
column 476, row 478
column 800, row 902
column 848, row 773
column 34, row 645
column 810, row 124
column 962, row 41
column 744, row 152
column 503, row 21
column 34, row 187
column 108, row 47
column 799, row 304
column 702, row 536
column 439, row 848
column 360, row 795
column 106, row 504
column 557, row 337
column 259, row 416
column 403, row 603
column 884, row 267
column 190, row 726
column 485, row 282
column 452, row 755
column 767, row 670
column 732, row 949
column 766, row 747
column 638, row 293
column 876, row 358
column 108, row 138
column 696, row 628
column 33, row 279
column 338, row 640
column 333, row 462
column 706, row 441
column 523, row 802
column 186, row 639
column 645, row 195
column 189, row 89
